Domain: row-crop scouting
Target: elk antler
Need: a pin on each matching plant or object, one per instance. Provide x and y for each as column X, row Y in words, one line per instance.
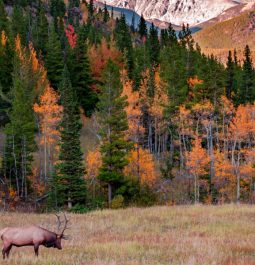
column 58, row 221
column 64, row 228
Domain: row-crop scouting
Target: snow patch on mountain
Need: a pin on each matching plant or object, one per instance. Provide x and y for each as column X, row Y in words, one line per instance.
column 177, row 12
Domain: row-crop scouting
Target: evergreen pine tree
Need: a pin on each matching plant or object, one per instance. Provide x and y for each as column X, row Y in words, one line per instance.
column 81, row 77
column 18, row 24
column 6, row 69
column 247, row 88
column 40, row 31
column 3, row 18
column 91, row 11
column 172, row 35
column 153, row 45
column 113, row 122
column 106, row 14
column 124, row 43
column 57, row 8
column 230, row 76
column 185, row 37
column 69, row 187
column 54, row 59
column 142, row 27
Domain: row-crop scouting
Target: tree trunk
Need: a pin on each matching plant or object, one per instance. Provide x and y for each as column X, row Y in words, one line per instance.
column 109, row 195
column 69, row 202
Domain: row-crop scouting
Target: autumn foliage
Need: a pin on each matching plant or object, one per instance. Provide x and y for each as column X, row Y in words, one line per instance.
column 99, row 55
column 71, row 36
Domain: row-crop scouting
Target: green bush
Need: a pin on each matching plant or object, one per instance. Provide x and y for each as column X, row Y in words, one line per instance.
column 117, row 202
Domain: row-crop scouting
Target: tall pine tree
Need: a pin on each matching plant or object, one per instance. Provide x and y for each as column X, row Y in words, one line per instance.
column 81, row 77
column 247, row 89
column 54, row 59
column 142, row 27
column 113, row 122
column 68, row 187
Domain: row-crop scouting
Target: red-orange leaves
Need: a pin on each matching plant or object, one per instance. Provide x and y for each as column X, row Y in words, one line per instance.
column 71, row 36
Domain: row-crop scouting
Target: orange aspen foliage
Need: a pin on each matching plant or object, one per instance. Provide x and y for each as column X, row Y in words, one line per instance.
column 192, row 83
column 50, row 113
column 160, row 100
column 34, row 60
column 141, row 166
column 3, row 39
column 18, row 48
column 38, row 186
column 197, row 164
column 224, row 179
column 133, row 110
column 185, row 121
column 243, row 123
column 93, row 163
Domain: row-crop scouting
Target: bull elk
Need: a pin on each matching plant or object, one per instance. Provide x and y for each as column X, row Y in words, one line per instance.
column 32, row 236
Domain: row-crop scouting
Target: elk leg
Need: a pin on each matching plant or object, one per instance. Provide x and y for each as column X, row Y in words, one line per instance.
column 7, row 251
column 36, row 248
column 3, row 252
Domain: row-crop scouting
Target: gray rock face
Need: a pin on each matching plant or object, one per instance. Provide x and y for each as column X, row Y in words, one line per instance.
column 177, row 12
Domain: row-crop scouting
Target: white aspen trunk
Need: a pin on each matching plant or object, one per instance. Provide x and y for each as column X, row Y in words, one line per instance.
column 15, row 164
column 238, row 175
column 181, row 153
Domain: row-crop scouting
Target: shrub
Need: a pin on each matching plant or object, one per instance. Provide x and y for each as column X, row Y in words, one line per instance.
column 117, row 202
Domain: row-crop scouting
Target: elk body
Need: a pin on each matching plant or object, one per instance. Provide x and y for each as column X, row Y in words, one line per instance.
column 31, row 236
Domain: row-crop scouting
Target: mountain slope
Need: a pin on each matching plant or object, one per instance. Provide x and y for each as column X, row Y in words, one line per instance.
column 177, row 12
column 228, row 35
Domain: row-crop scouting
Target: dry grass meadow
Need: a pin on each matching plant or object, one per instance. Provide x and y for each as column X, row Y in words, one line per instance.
column 159, row 235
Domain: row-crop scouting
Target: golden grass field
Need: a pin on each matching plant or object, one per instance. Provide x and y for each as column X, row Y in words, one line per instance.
column 159, row 235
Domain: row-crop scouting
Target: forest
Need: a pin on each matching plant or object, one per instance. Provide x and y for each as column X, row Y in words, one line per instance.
column 170, row 124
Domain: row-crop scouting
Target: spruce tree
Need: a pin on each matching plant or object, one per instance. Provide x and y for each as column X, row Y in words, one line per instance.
column 91, row 11
column 247, row 88
column 57, row 8
column 106, row 14
column 124, row 43
column 113, row 121
column 3, row 18
column 81, row 77
column 230, row 76
column 6, row 69
column 142, row 27
column 153, row 45
column 18, row 24
column 40, row 31
column 54, row 59
column 185, row 37
column 69, row 187
column 172, row 35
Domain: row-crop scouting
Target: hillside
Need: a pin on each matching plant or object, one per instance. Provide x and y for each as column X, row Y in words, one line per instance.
column 161, row 235
column 228, row 35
